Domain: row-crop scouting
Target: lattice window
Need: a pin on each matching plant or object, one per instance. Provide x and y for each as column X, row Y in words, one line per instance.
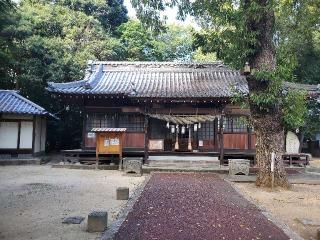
column 99, row 121
column 133, row 122
column 206, row 132
column 234, row 124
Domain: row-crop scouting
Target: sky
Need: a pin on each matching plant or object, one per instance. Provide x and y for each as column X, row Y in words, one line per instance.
column 171, row 14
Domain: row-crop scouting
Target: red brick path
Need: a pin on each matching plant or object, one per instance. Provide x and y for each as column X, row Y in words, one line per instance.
column 194, row 206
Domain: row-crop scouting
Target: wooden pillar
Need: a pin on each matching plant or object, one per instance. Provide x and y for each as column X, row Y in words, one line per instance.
column 33, row 133
column 176, row 145
column 189, row 139
column 146, row 138
column 84, row 132
column 97, row 150
column 19, row 135
column 221, row 141
column 249, row 138
column 215, row 136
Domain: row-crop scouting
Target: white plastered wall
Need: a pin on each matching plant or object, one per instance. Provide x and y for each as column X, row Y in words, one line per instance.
column 8, row 135
column 26, row 132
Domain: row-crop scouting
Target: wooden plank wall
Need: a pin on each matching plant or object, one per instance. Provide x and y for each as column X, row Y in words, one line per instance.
column 253, row 141
column 134, row 140
column 235, row 140
column 131, row 140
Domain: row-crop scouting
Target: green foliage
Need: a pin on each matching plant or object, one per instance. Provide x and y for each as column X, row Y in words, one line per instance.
column 110, row 13
column 174, row 44
column 312, row 121
column 53, row 43
column 137, row 41
column 298, row 38
column 140, row 43
column 200, row 56
column 295, row 109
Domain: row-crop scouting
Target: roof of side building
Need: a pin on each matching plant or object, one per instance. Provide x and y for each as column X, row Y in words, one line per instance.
column 13, row 103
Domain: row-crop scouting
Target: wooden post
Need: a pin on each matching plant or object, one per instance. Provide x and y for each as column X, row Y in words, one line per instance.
column 221, row 142
column 97, row 161
column 146, row 139
column 176, row 145
column 272, row 170
column 84, row 132
column 19, row 133
column 215, row 136
column 33, row 133
column 249, row 138
column 189, row 140
column 97, row 150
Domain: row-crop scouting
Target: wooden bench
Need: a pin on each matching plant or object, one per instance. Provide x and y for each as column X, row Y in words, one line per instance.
column 296, row 158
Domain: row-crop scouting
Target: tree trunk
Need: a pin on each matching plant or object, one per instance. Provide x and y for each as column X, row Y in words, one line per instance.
column 267, row 124
column 270, row 139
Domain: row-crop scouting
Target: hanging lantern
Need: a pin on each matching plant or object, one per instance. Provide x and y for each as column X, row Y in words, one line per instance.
column 199, row 125
column 183, row 130
column 172, row 129
column 246, row 69
column 195, row 127
column 168, row 125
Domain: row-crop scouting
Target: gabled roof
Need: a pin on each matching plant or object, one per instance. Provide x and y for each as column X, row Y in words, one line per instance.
column 12, row 102
column 155, row 80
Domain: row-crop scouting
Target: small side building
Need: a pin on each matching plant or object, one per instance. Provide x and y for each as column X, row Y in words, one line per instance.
column 22, row 126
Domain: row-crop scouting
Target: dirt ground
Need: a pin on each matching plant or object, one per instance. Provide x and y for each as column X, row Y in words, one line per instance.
column 35, row 199
column 315, row 162
column 289, row 206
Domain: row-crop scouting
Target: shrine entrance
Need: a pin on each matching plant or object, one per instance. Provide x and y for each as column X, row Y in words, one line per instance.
column 183, row 133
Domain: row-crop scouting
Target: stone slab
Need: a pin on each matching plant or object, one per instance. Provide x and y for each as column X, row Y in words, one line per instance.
column 97, row 221
column 73, row 220
column 122, row 193
column 133, row 165
column 239, row 166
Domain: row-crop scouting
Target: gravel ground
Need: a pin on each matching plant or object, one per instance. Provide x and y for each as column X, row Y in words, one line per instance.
column 35, row 199
column 290, row 206
column 315, row 162
column 194, row 206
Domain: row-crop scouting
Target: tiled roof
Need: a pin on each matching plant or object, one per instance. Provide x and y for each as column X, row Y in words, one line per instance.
column 12, row 102
column 156, row 80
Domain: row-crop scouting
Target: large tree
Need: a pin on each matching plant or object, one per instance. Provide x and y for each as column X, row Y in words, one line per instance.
column 246, row 30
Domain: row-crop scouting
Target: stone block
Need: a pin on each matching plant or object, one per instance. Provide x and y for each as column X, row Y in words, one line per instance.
column 97, row 221
column 122, row 193
column 133, row 165
column 239, row 167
